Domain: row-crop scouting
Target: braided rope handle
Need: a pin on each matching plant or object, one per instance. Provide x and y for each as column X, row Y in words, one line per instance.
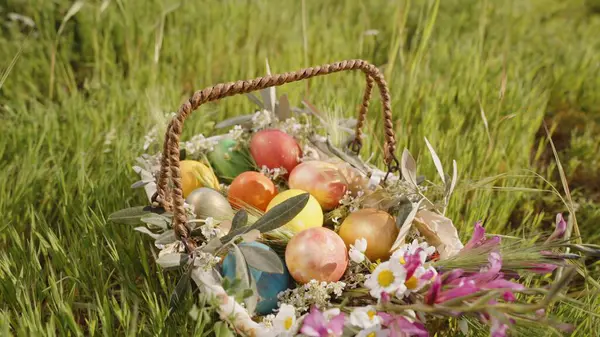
column 170, row 161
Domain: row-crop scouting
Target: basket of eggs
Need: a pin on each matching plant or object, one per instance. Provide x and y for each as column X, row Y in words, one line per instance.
column 283, row 223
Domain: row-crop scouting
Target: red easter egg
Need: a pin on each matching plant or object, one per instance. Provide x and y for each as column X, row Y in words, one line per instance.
column 251, row 188
column 318, row 254
column 275, row 149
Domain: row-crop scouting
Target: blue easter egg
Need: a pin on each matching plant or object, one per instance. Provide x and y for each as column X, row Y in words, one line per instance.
column 268, row 285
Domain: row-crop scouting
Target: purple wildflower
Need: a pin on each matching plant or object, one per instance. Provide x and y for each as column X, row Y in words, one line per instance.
column 559, row 231
column 316, row 325
column 400, row 326
column 478, row 240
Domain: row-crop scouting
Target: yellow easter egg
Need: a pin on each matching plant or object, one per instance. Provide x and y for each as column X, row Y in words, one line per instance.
column 311, row 216
column 194, row 175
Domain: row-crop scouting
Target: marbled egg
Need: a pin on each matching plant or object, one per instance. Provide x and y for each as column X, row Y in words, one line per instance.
column 376, row 226
column 228, row 161
column 268, row 285
column 316, row 253
column 322, row 180
column 310, row 216
column 251, row 189
column 275, row 149
column 207, row 202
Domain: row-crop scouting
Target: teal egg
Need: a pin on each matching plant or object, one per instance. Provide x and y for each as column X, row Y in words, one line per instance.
column 268, row 285
column 228, row 162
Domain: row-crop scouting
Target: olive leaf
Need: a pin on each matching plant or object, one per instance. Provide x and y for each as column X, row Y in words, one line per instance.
column 350, row 159
column 262, row 259
column 281, row 214
column 156, row 220
column 212, row 246
column 240, row 219
column 255, row 100
column 406, row 225
column 408, row 166
column 436, row 161
column 133, row 215
column 251, row 295
column 282, row 108
column 180, row 291
column 251, row 235
column 241, row 268
column 145, row 230
column 238, row 120
column 166, row 238
column 274, row 218
column 172, row 260
column 404, row 211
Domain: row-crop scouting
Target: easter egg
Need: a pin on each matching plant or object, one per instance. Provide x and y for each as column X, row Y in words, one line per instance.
column 194, row 174
column 229, row 161
column 322, row 180
column 376, row 226
column 207, row 202
column 268, row 285
column 275, row 149
column 310, row 216
column 316, row 254
column 356, row 181
column 253, row 189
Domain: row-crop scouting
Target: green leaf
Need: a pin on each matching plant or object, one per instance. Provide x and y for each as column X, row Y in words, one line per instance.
column 262, row 259
column 240, row 219
column 221, row 330
column 156, row 220
column 172, row 260
column 130, row 216
column 180, row 291
column 403, row 211
column 281, row 214
column 241, row 268
column 238, row 120
column 166, row 238
column 212, row 246
column 250, row 296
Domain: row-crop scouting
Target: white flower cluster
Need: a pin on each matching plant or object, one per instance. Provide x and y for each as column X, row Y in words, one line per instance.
column 210, row 230
column 199, row 144
column 237, row 132
column 261, row 120
column 311, row 293
column 309, row 153
column 353, row 203
column 148, row 164
column 205, row 260
column 273, row 174
column 294, row 128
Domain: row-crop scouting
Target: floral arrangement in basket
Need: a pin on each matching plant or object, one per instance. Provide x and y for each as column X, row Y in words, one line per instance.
column 294, row 234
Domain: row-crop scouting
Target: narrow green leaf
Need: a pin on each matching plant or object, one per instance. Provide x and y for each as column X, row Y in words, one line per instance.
column 262, row 259
column 130, row 216
column 221, row 330
column 436, row 161
column 281, row 214
column 241, row 268
column 238, row 120
column 156, row 220
column 173, row 260
column 181, row 289
column 166, row 238
column 240, row 219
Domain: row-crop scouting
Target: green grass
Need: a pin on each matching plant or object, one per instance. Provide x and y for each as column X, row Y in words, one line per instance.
column 477, row 78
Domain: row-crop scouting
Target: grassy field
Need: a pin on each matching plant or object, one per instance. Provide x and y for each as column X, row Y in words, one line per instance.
column 79, row 92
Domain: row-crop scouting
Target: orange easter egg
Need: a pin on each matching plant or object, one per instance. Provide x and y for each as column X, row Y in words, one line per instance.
column 251, row 189
column 376, row 226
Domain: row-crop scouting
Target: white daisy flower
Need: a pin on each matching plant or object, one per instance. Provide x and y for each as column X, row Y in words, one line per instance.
column 417, row 281
column 374, row 332
column 357, row 250
column 387, row 277
column 411, row 248
column 284, row 323
column 365, row 317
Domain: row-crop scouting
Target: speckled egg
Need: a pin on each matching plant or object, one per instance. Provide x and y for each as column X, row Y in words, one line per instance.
column 275, row 149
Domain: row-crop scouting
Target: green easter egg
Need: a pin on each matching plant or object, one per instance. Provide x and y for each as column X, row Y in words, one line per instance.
column 228, row 162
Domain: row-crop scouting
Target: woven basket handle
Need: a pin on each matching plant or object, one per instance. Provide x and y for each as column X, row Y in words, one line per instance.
column 170, row 159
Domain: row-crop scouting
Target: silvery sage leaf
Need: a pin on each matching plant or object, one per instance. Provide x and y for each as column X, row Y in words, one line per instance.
column 166, row 238
column 172, row 260
column 262, row 259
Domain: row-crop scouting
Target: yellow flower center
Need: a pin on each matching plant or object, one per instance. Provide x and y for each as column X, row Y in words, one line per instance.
column 385, row 278
column 372, row 334
column 371, row 314
column 287, row 324
column 402, row 260
column 411, row 283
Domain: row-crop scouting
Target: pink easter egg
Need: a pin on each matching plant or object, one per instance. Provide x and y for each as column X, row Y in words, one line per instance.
column 322, row 180
column 316, row 254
